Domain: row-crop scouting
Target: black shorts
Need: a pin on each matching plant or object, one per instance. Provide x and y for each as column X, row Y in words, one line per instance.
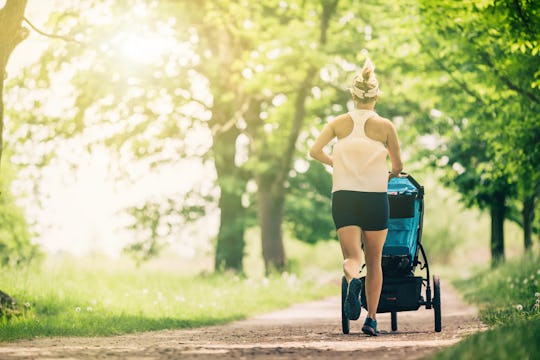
column 369, row 210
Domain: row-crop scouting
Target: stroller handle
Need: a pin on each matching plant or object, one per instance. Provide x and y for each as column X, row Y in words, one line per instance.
column 413, row 181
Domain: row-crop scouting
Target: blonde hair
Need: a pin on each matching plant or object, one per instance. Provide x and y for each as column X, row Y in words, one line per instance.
column 365, row 85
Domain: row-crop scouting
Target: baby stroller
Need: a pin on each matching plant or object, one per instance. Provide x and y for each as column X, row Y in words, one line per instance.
column 401, row 289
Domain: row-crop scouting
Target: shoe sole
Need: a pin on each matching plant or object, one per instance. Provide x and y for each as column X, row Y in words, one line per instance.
column 352, row 303
column 369, row 330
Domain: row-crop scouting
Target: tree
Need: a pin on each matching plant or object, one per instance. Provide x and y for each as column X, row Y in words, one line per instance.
column 488, row 88
column 12, row 33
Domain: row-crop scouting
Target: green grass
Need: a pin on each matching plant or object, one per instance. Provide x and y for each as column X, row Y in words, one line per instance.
column 94, row 297
column 509, row 301
column 507, row 293
column 516, row 340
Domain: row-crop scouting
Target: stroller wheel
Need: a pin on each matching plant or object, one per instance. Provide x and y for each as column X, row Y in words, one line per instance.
column 393, row 320
column 437, row 302
column 344, row 319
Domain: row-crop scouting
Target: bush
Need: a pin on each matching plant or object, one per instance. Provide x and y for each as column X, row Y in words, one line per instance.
column 15, row 244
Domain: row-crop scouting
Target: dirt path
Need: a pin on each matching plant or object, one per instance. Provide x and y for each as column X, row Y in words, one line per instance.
column 304, row 331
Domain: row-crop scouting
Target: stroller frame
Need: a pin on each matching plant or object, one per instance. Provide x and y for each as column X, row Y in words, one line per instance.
column 401, row 289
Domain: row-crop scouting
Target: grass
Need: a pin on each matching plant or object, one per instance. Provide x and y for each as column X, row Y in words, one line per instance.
column 509, row 301
column 99, row 297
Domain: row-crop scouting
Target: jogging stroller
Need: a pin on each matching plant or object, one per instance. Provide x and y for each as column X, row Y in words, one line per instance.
column 401, row 289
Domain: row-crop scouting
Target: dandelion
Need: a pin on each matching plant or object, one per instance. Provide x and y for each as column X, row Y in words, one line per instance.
column 89, row 309
column 27, row 305
column 78, row 309
column 519, row 307
column 525, row 281
column 538, row 272
column 537, row 294
column 531, row 277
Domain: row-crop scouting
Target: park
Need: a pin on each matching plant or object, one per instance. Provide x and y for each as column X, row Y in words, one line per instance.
column 158, row 199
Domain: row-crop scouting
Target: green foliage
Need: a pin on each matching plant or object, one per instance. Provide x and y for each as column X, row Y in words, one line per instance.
column 308, row 208
column 516, row 340
column 507, row 293
column 96, row 298
column 509, row 297
column 487, row 93
column 155, row 223
column 16, row 248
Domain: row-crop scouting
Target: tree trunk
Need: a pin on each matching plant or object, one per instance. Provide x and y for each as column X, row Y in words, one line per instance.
column 270, row 209
column 271, row 186
column 529, row 205
column 230, row 239
column 498, row 213
column 11, row 34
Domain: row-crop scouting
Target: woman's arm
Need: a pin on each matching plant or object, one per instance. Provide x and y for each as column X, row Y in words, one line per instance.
column 392, row 145
column 316, row 151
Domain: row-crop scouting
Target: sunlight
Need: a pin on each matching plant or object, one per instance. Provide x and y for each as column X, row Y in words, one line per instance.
column 145, row 49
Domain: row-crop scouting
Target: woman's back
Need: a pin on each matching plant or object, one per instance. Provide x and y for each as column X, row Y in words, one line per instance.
column 359, row 156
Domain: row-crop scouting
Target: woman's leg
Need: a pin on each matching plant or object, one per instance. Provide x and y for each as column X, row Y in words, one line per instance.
column 373, row 245
column 349, row 239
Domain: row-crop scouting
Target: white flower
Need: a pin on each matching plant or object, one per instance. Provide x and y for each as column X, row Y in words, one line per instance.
column 519, row 307
column 78, row 309
column 89, row 309
column 26, row 304
column 537, row 294
column 525, row 281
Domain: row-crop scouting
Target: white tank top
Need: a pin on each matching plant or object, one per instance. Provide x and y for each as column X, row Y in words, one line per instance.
column 359, row 163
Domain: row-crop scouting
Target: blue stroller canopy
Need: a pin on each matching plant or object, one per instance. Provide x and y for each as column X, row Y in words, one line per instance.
column 405, row 199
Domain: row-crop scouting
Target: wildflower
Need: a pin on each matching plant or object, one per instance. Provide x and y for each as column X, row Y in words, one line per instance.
column 531, row 277
column 78, row 309
column 519, row 307
column 537, row 294
column 93, row 302
column 145, row 291
column 89, row 309
column 525, row 281
column 179, row 298
column 27, row 305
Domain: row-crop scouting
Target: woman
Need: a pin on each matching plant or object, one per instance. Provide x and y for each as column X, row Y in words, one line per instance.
column 359, row 184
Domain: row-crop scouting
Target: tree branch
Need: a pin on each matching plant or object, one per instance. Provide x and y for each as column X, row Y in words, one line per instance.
column 505, row 80
column 450, row 73
column 54, row 36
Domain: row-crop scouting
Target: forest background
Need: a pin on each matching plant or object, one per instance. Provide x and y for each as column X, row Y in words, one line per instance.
column 183, row 127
